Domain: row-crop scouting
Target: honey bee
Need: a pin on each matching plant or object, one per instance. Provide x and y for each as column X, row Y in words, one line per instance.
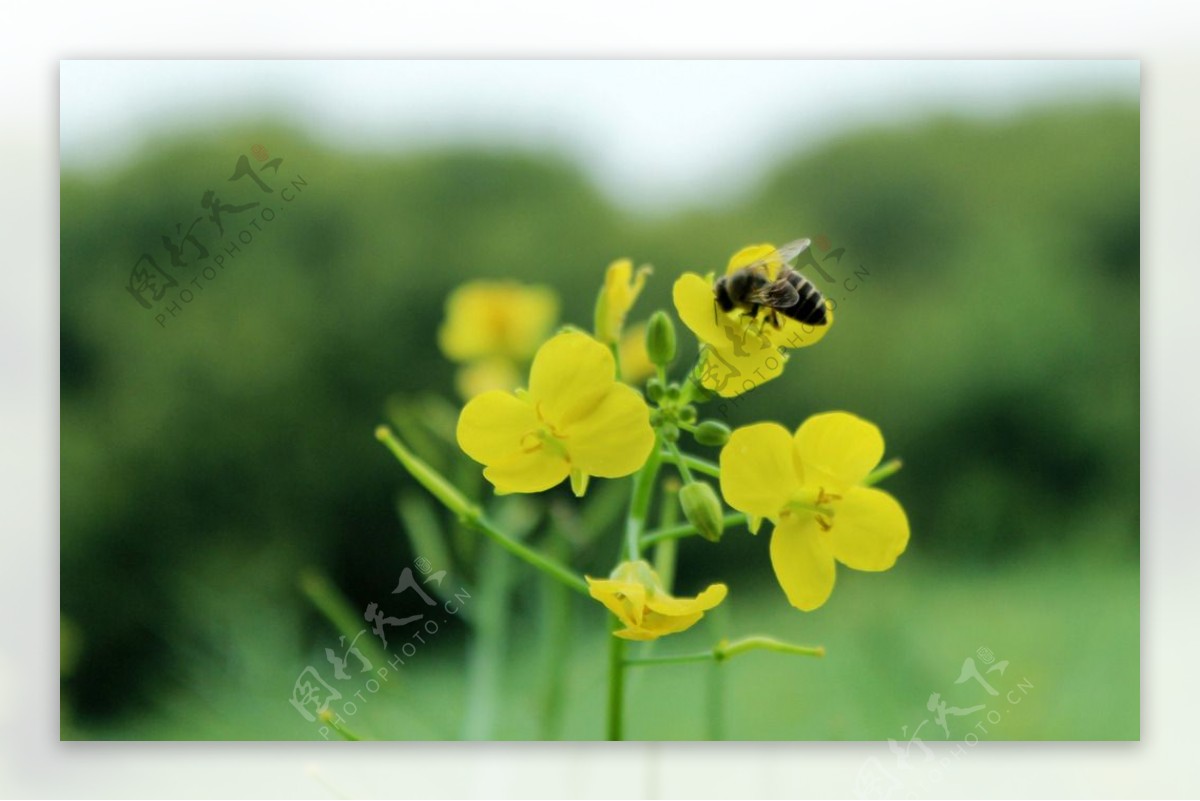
column 791, row 294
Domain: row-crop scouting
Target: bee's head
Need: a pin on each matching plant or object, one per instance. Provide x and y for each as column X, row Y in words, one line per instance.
column 721, row 292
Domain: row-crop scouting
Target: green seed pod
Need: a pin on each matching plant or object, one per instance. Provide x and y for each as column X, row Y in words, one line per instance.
column 711, row 432
column 703, row 509
column 660, row 339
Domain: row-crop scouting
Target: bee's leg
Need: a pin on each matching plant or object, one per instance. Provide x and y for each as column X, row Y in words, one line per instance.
column 749, row 316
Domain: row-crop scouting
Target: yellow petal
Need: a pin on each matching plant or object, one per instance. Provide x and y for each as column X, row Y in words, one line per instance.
column 697, row 308
column 670, row 606
column 615, row 438
column 621, row 289
column 496, row 318
column 537, row 471
column 493, row 425
column 625, row 599
column 571, row 374
column 636, row 366
column 870, row 529
column 641, row 634
column 751, row 254
column 758, row 474
column 802, row 556
column 735, row 372
column 837, row 450
column 655, row 625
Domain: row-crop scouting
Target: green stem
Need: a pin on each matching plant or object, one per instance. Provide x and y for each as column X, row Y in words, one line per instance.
column 331, row 719
column 885, row 470
column 543, row 563
column 665, row 549
column 555, row 643
column 692, row 462
column 615, row 347
column 714, row 717
column 685, row 530
column 727, row 650
column 639, row 505
column 337, row 609
column 635, row 526
column 616, row 688
column 681, row 462
column 485, row 658
column 471, row 516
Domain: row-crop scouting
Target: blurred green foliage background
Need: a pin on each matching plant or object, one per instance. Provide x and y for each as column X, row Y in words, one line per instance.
column 211, row 464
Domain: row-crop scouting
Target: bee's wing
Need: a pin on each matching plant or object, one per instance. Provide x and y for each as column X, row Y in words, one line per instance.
column 785, row 255
column 777, row 295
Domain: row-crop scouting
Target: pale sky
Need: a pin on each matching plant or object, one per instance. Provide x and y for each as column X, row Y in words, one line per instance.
column 651, row 133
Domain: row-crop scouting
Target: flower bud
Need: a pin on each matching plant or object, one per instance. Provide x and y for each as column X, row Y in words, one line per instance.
column 655, row 389
column 703, row 510
column 687, row 414
column 660, row 339
column 712, row 432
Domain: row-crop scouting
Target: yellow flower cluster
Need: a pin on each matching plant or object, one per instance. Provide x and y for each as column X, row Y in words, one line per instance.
column 492, row 328
column 576, row 419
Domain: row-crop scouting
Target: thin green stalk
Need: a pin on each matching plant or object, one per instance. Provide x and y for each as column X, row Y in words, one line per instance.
column 616, row 688
column 486, row 648
column 639, row 505
column 714, row 708
column 726, row 650
column 329, row 601
column 685, row 530
column 680, row 462
column 665, row 549
column 331, row 719
column 555, row 646
column 692, row 462
column 471, row 515
column 885, row 470
column 635, row 525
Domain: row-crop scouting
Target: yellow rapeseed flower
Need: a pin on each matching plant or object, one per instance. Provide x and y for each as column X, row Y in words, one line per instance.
column 575, row 420
column 811, row 487
column 635, row 594
column 621, row 289
column 739, row 355
column 486, row 319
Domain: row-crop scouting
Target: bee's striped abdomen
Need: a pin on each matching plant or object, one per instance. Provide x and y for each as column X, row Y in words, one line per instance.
column 810, row 308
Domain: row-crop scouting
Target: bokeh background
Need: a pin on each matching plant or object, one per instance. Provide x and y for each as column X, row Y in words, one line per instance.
column 226, row 512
